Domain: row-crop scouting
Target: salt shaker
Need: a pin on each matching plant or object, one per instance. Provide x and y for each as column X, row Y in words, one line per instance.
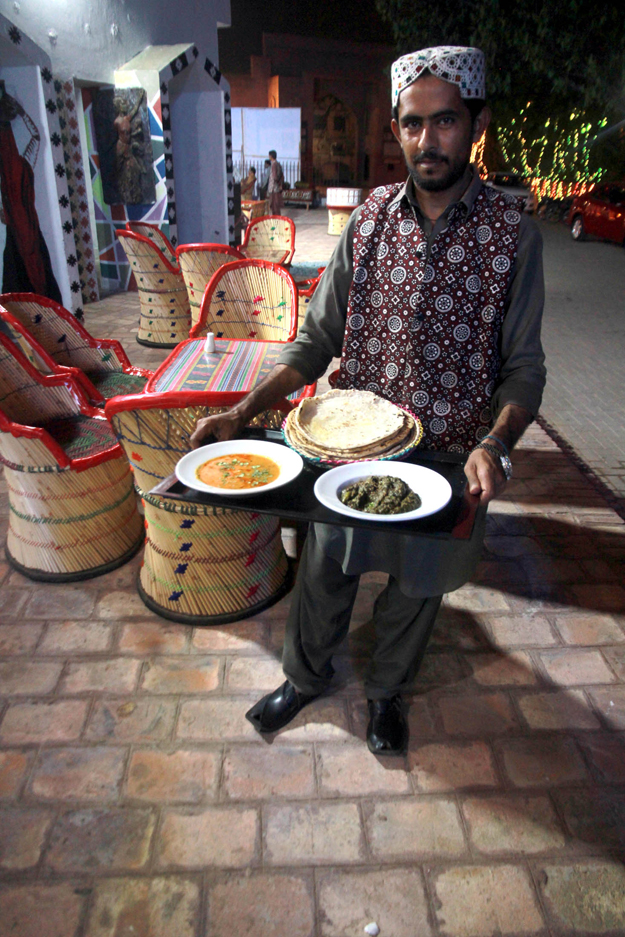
column 209, row 344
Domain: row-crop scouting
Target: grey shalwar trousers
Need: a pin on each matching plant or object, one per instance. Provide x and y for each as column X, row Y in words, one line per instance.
column 318, row 622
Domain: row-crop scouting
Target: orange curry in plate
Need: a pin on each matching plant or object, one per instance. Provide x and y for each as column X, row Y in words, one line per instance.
column 239, row 470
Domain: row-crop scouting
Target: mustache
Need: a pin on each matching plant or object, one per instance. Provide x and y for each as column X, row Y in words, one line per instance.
column 431, row 156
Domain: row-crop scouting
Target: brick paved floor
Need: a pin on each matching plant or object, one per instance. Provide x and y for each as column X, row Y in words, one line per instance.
column 584, row 338
column 135, row 799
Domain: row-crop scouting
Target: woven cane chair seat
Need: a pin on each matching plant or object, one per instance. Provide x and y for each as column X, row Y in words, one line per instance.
column 113, row 383
column 165, row 316
column 155, row 234
column 249, row 299
column 56, row 343
column 202, row 565
column 271, row 238
column 198, row 263
column 72, row 508
column 80, row 436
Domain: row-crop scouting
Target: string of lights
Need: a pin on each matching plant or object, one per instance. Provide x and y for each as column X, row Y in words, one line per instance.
column 558, row 161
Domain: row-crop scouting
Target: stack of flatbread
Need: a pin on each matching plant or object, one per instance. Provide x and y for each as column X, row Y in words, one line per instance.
column 350, row 426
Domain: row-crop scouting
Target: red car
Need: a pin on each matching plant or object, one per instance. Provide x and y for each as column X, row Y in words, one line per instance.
column 600, row 212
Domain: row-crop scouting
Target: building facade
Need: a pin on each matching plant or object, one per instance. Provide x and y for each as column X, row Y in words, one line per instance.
column 344, row 92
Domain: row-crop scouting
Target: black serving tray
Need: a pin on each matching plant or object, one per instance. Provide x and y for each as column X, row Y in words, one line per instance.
column 297, row 502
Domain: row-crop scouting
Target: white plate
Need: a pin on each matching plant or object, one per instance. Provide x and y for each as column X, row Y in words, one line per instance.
column 291, row 464
column 432, row 488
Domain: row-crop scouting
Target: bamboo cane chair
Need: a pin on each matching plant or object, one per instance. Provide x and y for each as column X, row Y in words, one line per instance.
column 51, row 332
column 156, row 235
column 165, row 315
column 72, row 508
column 249, row 299
column 198, row 262
column 271, row 237
column 305, row 292
column 202, row 565
column 254, row 209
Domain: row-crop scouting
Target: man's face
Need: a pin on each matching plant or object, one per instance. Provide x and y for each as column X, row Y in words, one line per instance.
column 436, row 133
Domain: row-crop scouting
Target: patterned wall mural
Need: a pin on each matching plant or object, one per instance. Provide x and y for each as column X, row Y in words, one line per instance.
column 114, row 269
column 55, row 131
column 79, row 183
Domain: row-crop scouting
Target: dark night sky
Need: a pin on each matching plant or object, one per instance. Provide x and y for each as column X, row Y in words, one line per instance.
column 356, row 20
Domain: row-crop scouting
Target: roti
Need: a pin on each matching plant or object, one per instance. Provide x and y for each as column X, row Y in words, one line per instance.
column 349, row 420
column 408, row 438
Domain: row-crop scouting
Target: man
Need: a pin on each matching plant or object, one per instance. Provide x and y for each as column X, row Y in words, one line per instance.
column 276, row 184
column 433, row 299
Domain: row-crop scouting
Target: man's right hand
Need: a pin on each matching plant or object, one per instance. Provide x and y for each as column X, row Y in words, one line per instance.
column 222, row 426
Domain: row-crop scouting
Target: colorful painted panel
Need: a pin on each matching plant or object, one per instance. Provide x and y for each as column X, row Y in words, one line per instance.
column 114, row 269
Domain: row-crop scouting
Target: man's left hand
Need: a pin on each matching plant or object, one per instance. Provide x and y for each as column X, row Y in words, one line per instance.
column 485, row 475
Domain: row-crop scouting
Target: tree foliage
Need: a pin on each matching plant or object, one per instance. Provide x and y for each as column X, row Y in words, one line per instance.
column 559, row 54
column 554, row 68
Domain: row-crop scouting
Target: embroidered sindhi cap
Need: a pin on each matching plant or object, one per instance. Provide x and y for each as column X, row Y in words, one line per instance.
column 461, row 65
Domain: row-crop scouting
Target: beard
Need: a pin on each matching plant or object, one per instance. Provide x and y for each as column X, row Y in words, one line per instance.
column 455, row 171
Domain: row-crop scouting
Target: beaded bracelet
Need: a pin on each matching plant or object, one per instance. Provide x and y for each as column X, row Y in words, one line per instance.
column 500, row 441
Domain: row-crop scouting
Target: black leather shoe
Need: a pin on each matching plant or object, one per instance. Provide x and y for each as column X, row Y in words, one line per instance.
column 276, row 710
column 387, row 732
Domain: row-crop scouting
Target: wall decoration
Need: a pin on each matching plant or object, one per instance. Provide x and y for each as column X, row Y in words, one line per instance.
column 223, row 84
column 124, row 145
column 114, row 269
column 35, row 56
column 82, row 260
column 26, row 262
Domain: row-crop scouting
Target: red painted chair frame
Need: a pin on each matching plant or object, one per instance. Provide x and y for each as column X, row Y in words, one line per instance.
column 80, row 330
column 201, row 324
column 216, row 248
column 130, row 226
column 169, row 268
column 231, row 252
column 288, row 255
column 71, row 517
column 124, row 233
column 92, row 395
column 37, row 432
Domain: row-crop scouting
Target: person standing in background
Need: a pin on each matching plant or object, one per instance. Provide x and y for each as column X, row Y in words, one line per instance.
column 264, row 180
column 276, row 184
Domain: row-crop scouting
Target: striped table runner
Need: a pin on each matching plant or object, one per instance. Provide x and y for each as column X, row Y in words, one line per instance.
column 234, row 366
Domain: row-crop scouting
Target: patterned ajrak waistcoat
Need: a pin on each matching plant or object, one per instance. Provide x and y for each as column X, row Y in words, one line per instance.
column 426, row 335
